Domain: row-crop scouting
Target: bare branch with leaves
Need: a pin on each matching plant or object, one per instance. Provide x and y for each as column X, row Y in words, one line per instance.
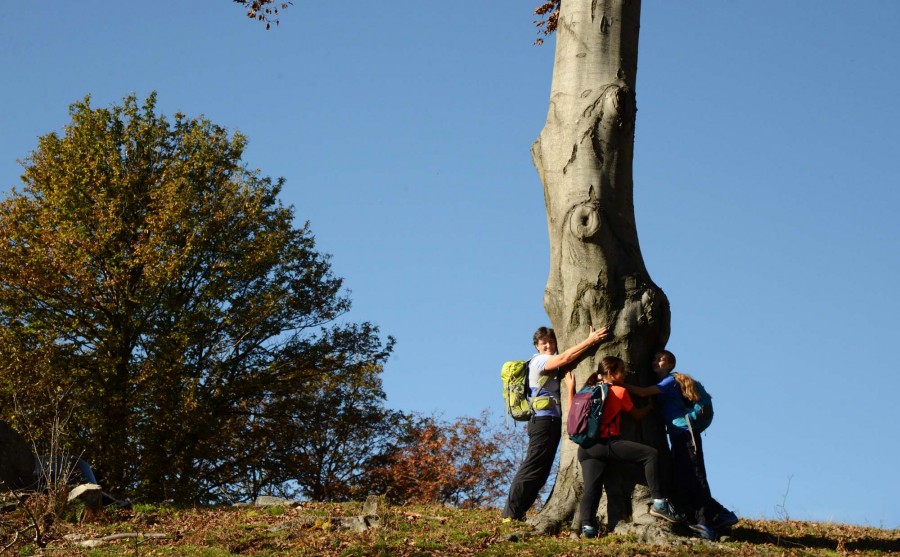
column 548, row 12
column 266, row 11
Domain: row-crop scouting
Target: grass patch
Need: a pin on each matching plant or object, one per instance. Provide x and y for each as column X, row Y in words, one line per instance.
column 314, row 529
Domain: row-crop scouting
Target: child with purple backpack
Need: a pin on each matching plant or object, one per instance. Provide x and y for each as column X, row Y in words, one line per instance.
column 594, row 455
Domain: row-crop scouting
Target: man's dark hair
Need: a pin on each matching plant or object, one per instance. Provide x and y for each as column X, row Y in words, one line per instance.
column 543, row 333
column 669, row 354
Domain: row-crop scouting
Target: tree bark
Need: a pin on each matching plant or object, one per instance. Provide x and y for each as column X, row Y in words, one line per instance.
column 597, row 274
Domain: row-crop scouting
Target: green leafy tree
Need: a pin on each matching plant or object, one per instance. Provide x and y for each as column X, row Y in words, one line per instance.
column 328, row 445
column 151, row 277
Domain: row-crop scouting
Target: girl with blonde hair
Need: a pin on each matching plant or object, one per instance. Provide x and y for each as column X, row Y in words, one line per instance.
column 673, row 392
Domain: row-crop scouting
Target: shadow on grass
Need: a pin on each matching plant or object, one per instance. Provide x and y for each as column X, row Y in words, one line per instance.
column 811, row 541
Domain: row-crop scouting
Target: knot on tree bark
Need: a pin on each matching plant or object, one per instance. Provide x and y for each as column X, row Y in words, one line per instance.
column 584, row 309
column 637, row 310
column 626, row 105
column 584, row 222
column 615, row 103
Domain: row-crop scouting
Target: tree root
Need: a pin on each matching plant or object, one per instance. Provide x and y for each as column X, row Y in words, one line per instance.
column 94, row 542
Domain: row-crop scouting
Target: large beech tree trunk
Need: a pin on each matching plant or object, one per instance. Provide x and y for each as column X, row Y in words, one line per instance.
column 597, row 274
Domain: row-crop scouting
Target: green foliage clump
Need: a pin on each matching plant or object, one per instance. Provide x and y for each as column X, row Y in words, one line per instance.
column 154, row 285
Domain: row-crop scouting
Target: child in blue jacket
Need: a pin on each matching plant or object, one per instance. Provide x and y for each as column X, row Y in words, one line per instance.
column 674, row 393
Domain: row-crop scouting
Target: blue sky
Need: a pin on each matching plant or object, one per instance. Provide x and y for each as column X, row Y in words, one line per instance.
column 766, row 194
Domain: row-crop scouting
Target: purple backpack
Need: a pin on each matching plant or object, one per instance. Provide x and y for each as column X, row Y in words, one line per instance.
column 585, row 413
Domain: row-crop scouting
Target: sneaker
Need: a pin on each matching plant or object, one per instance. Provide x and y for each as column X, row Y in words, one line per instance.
column 725, row 519
column 87, row 494
column 665, row 511
column 588, row 531
column 703, row 531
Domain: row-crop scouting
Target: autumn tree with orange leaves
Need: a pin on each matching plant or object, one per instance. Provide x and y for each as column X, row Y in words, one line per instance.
column 466, row 463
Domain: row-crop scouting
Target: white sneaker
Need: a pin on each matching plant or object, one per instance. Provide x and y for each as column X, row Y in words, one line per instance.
column 89, row 494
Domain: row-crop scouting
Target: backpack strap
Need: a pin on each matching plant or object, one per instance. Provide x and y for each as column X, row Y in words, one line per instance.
column 528, row 384
column 606, row 390
column 687, row 418
column 542, row 380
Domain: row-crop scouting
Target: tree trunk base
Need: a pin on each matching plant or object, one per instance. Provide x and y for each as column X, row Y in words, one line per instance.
column 657, row 533
column 615, row 510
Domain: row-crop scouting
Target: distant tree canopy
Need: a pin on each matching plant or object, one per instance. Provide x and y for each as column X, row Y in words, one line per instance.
column 156, row 287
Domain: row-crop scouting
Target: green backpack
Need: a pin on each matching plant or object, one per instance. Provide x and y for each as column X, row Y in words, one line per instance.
column 519, row 405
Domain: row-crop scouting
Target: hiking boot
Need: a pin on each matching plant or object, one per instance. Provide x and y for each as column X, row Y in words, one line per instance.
column 703, row 531
column 665, row 511
column 725, row 519
column 588, row 531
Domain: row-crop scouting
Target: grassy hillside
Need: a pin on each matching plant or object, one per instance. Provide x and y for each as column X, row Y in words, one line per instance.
column 319, row 529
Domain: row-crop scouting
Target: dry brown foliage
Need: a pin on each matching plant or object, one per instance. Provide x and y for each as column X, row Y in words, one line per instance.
column 266, row 11
column 549, row 18
column 465, row 463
